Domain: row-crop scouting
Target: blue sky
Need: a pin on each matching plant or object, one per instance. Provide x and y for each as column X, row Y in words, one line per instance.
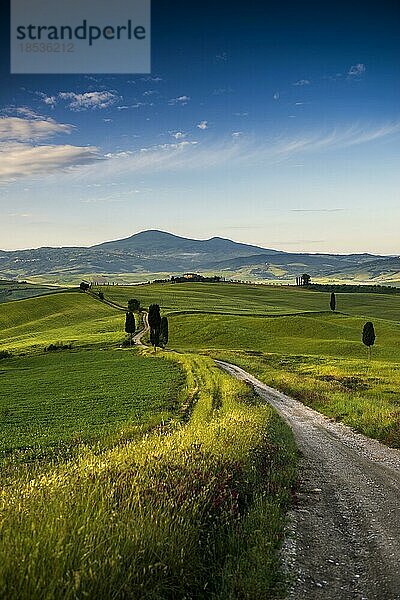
column 272, row 125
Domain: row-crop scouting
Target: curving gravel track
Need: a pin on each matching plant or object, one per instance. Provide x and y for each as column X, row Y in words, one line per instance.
column 343, row 539
column 138, row 337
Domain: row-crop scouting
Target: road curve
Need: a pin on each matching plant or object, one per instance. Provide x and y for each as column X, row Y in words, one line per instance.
column 138, row 337
column 343, row 539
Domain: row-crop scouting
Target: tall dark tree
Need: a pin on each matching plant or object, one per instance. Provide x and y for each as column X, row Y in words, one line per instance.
column 164, row 331
column 305, row 279
column 368, row 336
column 332, row 303
column 133, row 305
column 155, row 338
column 154, row 320
column 130, row 325
column 84, row 286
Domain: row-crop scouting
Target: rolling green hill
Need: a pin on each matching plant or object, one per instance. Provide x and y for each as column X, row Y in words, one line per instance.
column 253, row 299
column 148, row 472
column 319, row 335
column 85, row 444
column 64, row 317
column 14, row 290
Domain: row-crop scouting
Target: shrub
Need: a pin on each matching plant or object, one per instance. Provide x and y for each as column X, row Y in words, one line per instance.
column 57, row 347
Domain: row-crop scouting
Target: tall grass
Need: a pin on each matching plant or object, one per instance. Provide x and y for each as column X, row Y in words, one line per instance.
column 192, row 510
column 361, row 393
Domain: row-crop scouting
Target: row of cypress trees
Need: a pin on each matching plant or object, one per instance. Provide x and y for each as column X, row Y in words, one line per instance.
column 158, row 325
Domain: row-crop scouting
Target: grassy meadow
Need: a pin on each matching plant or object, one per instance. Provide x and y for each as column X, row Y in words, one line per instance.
column 132, row 475
column 315, row 355
column 129, row 474
column 13, row 290
column 70, row 317
column 62, row 397
column 253, row 299
column 289, row 338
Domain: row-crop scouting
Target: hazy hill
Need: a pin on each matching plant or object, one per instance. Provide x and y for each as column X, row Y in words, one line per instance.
column 160, row 243
column 161, row 252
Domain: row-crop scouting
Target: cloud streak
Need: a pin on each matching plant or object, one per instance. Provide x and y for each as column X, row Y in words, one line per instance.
column 180, row 101
column 23, row 160
column 89, row 100
column 23, row 155
column 19, row 129
column 240, row 150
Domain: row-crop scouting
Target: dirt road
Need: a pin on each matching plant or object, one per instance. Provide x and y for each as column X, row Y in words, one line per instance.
column 344, row 537
column 138, row 337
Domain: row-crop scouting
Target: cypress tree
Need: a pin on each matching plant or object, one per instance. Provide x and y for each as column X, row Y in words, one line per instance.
column 368, row 336
column 332, row 303
column 164, row 331
column 130, row 325
column 154, row 320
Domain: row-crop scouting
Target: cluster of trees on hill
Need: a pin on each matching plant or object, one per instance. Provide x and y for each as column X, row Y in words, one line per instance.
column 190, row 278
column 303, row 280
column 158, row 325
column 350, row 288
column 195, row 277
column 130, row 321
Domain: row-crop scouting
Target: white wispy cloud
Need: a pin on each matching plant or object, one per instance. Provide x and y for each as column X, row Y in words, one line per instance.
column 89, row 100
column 357, row 70
column 302, row 82
column 239, row 150
column 353, row 135
column 22, row 111
column 178, row 135
column 153, row 79
column 22, row 153
column 48, row 100
column 203, row 125
column 19, row 129
column 24, row 160
column 181, row 100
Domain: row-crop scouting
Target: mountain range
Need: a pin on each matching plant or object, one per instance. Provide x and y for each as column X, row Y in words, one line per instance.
column 160, row 252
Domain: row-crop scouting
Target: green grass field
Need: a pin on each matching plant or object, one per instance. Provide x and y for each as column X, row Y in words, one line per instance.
column 253, row 299
column 144, row 485
column 79, row 396
column 195, row 508
column 64, row 317
column 321, row 334
column 12, row 290
column 318, row 357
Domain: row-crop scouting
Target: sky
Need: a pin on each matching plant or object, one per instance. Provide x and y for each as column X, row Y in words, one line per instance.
column 275, row 124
